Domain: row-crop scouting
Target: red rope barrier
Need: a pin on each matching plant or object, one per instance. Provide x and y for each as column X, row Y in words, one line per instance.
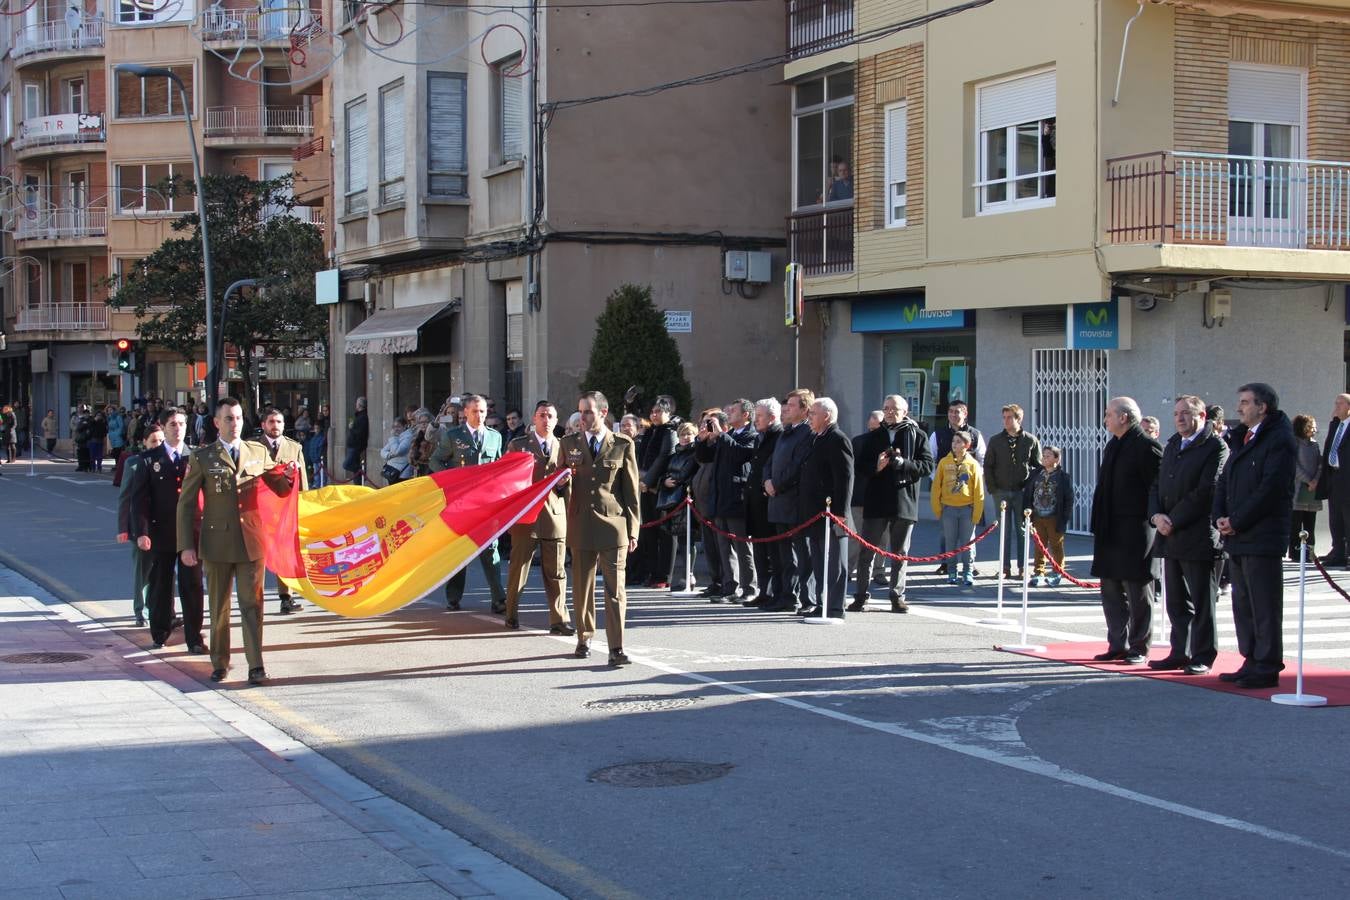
column 674, row 511
column 915, row 559
column 1090, row 585
column 1327, row 576
column 756, row 540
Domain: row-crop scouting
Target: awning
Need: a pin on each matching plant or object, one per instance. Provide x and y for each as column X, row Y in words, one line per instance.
column 393, row 330
column 1312, row 11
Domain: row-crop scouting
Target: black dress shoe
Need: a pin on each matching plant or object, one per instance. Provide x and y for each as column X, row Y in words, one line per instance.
column 283, row 610
column 563, row 629
column 176, row 623
column 217, row 674
column 757, row 602
column 257, row 676
column 1171, row 663
column 499, row 607
column 857, row 606
column 157, row 645
column 1196, row 668
column 1135, row 658
column 809, row 611
column 1110, row 656
column 512, row 623
column 140, row 621
column 712, row 590
column 290, row 605
column 720, row 598
column 1258, row 681
column 941, row 569
column 618, row 658
column 196, row 649
column 583, row 651
column 452, row 606
column 898, row 605
column 1233, row 677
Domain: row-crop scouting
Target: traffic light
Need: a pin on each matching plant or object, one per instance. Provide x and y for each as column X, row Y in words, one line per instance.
column 124, row 360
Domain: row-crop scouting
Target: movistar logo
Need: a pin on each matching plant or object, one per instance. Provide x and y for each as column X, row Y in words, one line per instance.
column 911, row 312
column 1097, row 317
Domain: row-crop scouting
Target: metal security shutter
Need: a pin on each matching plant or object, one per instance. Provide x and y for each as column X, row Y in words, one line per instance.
column 1018, row 100
column 391, row 144
column 513, row 112
column 897, row 141
column 1265, row 95
column 1069, row 390
column 447, row 163
column 357, row 150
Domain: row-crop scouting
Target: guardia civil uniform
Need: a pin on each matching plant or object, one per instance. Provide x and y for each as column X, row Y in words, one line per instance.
column 548, row 531
column 232, row 539
column 461, row 446
column 602, row 517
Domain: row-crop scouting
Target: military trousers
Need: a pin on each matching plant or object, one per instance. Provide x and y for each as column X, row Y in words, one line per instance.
column 247, row 580
column 551, row 555
column 612, row 563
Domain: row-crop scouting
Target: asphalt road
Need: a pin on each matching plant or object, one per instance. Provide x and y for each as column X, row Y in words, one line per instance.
column 892, row 756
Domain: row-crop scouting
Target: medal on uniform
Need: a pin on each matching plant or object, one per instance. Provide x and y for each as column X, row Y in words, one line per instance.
column 156, row 466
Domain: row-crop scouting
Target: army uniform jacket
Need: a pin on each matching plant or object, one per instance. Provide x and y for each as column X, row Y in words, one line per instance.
column 288, row 451
column 603, row 510
column 231, row 527
column 456, row 448
column 154, row 497
column 551, row 523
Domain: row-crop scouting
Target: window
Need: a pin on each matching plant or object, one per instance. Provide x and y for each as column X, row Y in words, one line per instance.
column 8, row 116
column 447, row 161
column 1016, row 152
column 144, row 98
column 144, row 188
column 509, row 113
column 897, row 148
column 822, row 125
column 515, row 320
column 1265, row 132
column 391, row 143
column 33, row 284
column 75, row 282
column 142, row 12
column 74, row 91
column 126, row 266
column 357, row 157
column 32, row 100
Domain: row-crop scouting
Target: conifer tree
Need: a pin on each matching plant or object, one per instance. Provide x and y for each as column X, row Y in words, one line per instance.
column 632, row 347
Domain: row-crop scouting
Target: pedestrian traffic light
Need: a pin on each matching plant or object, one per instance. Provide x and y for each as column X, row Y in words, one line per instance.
column 124, row 360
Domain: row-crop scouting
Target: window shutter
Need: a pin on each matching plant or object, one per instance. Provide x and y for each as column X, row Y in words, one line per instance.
column 513, row 115
column 1018, row 100
column 1265, row 95
column 356, row 147
column 515, row 320
column 446, row 162
column 391, row 143
column 897, row 131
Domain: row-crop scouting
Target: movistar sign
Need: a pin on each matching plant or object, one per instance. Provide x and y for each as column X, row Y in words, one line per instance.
column 1094, row 326
column 904, row 312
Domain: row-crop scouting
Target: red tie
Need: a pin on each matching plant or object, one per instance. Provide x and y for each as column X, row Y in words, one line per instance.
column 1246, row 438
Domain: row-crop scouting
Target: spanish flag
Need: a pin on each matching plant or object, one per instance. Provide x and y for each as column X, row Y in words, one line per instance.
column 358, row 552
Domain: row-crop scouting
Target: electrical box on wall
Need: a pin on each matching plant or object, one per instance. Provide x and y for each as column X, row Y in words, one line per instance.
column 754, row 266
column 1219, row 303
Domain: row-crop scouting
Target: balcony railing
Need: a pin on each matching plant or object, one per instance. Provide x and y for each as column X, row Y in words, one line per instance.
column 46, row 37
column 36, row 224
column 1173, row 197
column 816, row 25
column 258, row 121
column 310, row 215
column 307, row 149
column 68, row 128
column 822, row 242
column 64, row 317
column 220, row 24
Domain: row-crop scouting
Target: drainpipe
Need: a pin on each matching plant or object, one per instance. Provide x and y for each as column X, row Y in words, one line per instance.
column 1120, row 71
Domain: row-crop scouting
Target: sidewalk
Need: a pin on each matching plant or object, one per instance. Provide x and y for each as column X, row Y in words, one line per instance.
column 122, row 777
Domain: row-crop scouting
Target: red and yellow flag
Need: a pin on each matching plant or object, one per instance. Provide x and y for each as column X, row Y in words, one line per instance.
column 357, row 551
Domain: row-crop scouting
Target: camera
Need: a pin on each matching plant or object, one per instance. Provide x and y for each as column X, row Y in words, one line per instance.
column 707, row 424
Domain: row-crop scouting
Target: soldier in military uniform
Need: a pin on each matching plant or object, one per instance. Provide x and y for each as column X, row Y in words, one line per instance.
column 140, row 560
column 603, row 520
column 549, row 528
column 281, row 449
column 226, row 474
column 159, row 474
column 471, row 443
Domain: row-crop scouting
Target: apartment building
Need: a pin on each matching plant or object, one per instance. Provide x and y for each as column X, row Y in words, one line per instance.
column 87, row 149
column 476, row 253
column 1051, row 202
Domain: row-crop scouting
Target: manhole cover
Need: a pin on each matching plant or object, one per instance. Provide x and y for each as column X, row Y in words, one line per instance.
column 643, row 702
column 667, row 773
column 28, row 659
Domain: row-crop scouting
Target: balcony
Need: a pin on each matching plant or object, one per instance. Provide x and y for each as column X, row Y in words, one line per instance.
column 822, row 242
column 250, row 26
column 816, row 25
column 64, row 317
column 59, row 39
column 235, row 125
column 307, row 149
column 58, row 224
column 70, row 132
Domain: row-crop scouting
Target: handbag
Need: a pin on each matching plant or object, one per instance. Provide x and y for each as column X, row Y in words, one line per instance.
column 391, row 473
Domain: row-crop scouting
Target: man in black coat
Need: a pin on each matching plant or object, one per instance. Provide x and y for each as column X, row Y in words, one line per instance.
column 1122, row 538
column 1331, row 486
column 896, row 458
column 653, row 458
column 769, row 565
column 1253, row 506
column 782, row 485
column 1179, row 505
column 827, row 474
column 729, row 452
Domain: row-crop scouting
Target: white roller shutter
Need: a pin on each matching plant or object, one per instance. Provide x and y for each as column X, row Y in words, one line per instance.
column 356, row 146
column 897, row 141
column 1274, row 96
column 391, row 143
column 1017, row 100
column 512, row 113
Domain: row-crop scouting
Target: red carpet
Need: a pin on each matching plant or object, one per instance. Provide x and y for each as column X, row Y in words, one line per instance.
column 1334, row 684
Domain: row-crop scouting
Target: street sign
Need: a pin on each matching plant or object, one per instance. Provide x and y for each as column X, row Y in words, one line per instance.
column 680, row 321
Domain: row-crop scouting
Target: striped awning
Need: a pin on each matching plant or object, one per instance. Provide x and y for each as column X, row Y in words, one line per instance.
column 393, row 330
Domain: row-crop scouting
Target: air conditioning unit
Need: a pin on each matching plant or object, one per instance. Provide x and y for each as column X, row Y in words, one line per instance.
column 754, row 266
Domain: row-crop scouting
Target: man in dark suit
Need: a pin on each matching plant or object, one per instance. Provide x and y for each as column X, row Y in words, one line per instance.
column 768, row 557
column 159, row 479
column 1122, row 538
column 827, row 474
column 1253, row 506
column 1334, row 487
column 548, row 530
column 1179, row 504
column 896, row 458
column 728, row 451
column 782, row 484
column 471, row 443
column 140, row 560
column 281, row 449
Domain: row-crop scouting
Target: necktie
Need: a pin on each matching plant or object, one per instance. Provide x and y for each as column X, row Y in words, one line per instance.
column 1247, row 438
column 1334, row 457
column 543, row 447
column 595, row 446
column 173, row 458
column 234, row 454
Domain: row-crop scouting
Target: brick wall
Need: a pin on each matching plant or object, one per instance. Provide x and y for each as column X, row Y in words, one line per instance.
column 883, row 79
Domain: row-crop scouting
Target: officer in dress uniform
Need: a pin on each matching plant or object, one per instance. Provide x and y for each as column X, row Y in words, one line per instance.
column 603, row 520
column 226, row 474
column 471, row 443
column 159, row 476
column 548, row 531
column 281, row 449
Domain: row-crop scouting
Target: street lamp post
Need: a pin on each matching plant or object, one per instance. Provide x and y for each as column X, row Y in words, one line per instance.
column 142, row 71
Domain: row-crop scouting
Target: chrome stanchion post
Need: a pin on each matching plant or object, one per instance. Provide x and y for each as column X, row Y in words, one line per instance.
column 688, row 551
column 1298, row 698
column 998, row 618
column 1026, row 589
column 824, row 586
